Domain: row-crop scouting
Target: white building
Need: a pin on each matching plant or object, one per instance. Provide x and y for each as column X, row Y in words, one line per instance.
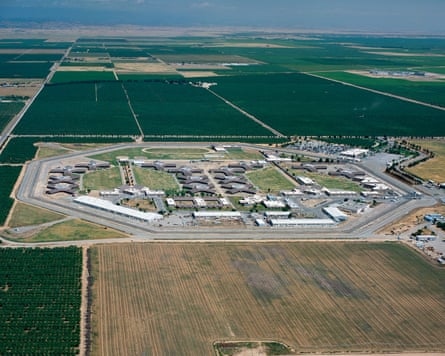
column 274, row 204
column 335, row 213
column 217, row 214
column 304, row 180
column 277, row 214
column 108, row 206
column 302, row 222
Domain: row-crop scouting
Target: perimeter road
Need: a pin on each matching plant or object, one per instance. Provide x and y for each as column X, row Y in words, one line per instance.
column 245, row 113
column 36, row 174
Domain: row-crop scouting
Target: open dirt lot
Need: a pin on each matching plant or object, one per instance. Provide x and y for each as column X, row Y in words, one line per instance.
column 178, row 298
column 144, row 67
column 411, row 220
column 198, row 74
column 19, row 87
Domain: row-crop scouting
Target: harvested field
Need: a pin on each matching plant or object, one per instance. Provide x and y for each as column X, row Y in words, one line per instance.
column 177, row 299
column 197, row 74
column 143, row 67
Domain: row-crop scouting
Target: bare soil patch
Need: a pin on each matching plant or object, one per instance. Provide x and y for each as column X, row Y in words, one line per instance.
column 178, row 298
column 143, row 67
column 411, row 220
column 19, row 87
column 198, row 74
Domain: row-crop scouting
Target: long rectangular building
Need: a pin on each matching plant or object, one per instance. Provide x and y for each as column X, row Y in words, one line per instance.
column 108, row 206
column 302, row 222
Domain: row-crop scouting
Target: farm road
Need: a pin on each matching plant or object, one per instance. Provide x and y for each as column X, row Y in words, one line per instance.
column 379, row 92
column 245, row 113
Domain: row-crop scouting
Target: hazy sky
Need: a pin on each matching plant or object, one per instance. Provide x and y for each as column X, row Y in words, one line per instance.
column 425, row 16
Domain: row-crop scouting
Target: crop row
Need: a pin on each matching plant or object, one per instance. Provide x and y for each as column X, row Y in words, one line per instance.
column 299, row 104
column 317, row 298
column 81, row 76
column 8, row 177
column 40, row 301
column 24, row 70
column 169, row 109
column 18, row 150
column 79, row 109
column 8, row 111
column 428, row 92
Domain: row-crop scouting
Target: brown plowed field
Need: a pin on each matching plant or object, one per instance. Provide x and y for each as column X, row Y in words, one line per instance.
column 178, row 298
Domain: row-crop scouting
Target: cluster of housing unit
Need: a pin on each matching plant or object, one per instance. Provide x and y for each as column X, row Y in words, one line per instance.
column 232, row 179
column 192, row 179
column 64, row 179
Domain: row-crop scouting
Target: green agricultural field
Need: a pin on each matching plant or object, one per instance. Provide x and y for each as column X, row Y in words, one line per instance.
column 40, row 297
column 106, row 179
column 181, row 109
column 270, row 180
column 8, row 177
column 155, row 180
column 79, row 109
column 24, row 70
column 19, row 150
column 425, row 91
column 8, row 111
column 26, row 215
column 81, row 76
column 299, row 104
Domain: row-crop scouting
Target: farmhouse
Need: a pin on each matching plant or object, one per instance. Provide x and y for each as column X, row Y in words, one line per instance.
column 108, row 206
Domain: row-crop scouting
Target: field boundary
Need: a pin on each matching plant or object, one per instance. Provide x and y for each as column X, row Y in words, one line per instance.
column 245, row 113
column 403, row 98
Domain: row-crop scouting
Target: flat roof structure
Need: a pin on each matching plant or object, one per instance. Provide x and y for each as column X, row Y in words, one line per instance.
column 302, row 222
column 335, row 213
column 217, row 214
column 108, row 206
